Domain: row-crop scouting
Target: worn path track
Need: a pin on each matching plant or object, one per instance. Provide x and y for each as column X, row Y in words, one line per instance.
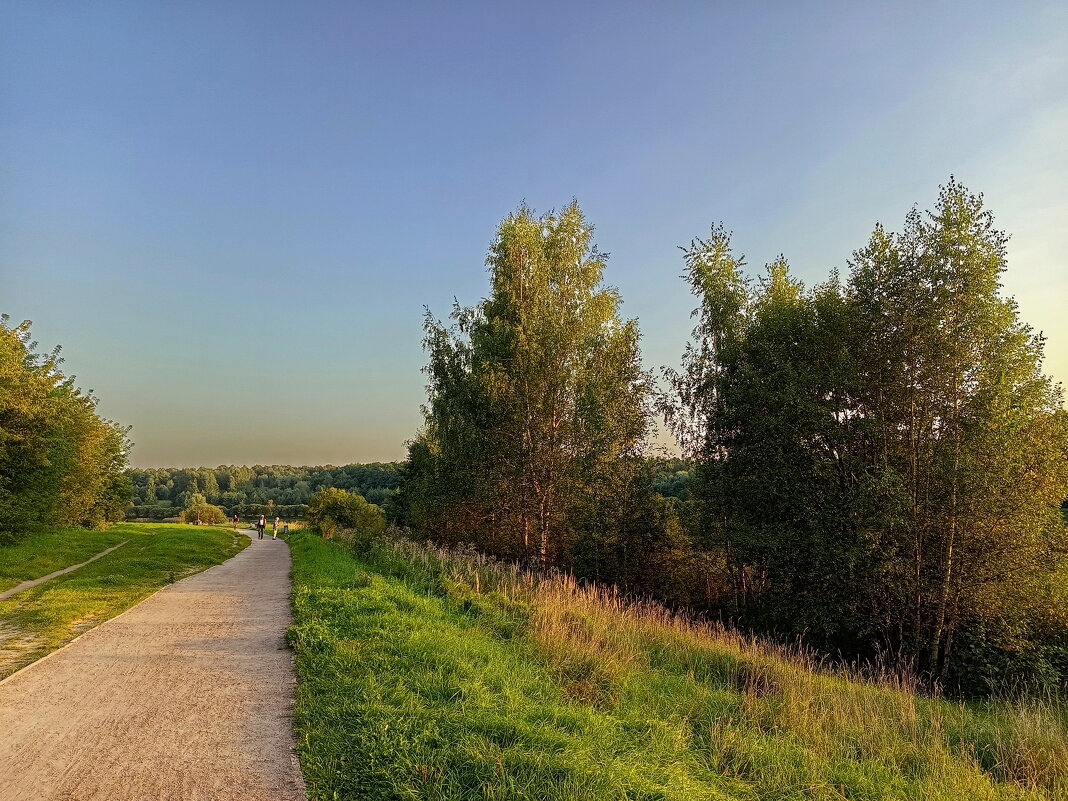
column 186, row 696
column 34, row 582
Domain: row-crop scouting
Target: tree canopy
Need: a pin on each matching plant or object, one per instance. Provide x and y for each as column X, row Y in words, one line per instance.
column 60, row 461
column 881, row 461
column 282, row 490
column 537, row 414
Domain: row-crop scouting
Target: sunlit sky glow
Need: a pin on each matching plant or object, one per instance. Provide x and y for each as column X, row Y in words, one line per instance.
column 231, row 215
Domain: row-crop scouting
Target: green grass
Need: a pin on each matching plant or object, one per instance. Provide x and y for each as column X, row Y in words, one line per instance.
column 41, row 619
column 45, row 552
column 430, row 675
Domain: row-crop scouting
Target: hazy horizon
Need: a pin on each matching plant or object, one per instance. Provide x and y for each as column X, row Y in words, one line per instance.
column 232, row 217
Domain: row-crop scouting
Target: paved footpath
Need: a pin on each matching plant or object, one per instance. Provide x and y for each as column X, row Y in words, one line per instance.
column 186, row 696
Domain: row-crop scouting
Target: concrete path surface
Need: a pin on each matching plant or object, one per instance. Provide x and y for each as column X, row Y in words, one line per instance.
column 186, row 696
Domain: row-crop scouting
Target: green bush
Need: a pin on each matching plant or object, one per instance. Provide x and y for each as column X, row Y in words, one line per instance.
column 204, row 512
column 335, row 509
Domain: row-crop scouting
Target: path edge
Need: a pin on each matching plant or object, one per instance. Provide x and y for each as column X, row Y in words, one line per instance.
column 294, row 752
column 65, row 646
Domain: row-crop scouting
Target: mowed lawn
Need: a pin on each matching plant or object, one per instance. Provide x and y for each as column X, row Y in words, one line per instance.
column 425, row 676
column 39, row 620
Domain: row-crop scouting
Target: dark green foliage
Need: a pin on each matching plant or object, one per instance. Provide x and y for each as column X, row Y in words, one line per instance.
column 631, row 536
column 199, row 511
column 332, row 509
column 881, row 461
column 671, row 477
column 537, row 415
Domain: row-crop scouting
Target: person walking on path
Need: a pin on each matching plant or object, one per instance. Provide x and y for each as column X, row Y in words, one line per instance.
column 274, row 529
column 261, row 524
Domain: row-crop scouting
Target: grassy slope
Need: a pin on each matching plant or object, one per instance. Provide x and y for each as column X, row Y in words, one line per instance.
column 36, row 621
column 415, row 684
column 44, row 552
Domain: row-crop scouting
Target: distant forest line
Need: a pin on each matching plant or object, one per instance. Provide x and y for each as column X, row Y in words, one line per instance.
column 273, row 490
column 161, row 493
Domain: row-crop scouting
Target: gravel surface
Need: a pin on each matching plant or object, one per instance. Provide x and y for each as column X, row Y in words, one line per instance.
column 186, row 696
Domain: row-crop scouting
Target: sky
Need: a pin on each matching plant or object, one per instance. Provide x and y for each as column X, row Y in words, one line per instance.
column 233, row 215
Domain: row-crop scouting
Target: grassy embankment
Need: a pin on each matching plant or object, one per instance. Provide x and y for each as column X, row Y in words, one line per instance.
column 43, row 618
column 428, row 675
column 47, row 551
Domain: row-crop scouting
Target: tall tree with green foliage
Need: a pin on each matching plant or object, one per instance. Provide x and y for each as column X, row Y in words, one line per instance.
column 60, row 462
column 694, row 408
column 536, row 395
column 963, row 420
column 881, row 462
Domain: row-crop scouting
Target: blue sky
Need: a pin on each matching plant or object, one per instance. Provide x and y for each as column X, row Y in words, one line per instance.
column 231, row 215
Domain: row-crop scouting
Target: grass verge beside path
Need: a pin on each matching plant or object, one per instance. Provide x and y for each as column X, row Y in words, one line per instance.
column 45, row 552
column 41, row 619
column 428, row 676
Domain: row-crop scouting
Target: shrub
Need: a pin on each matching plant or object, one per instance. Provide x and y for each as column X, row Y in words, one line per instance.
column 332, row 509
column 204, row 512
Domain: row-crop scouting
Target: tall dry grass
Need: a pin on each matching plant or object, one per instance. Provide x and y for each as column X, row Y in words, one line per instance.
column 604, row 647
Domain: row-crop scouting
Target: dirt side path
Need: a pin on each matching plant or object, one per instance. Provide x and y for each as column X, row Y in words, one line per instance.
column 186, row 696
column 34, row 582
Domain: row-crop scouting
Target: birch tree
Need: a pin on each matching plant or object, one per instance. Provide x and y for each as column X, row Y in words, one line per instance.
column 963, row 417
column 880, row 462
column 535, row 394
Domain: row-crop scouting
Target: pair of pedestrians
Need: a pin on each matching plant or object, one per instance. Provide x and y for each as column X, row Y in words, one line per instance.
column 261, row 525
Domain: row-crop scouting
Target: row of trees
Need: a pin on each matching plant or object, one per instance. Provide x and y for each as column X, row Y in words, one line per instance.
column 881, row 460
column 878, row 460
column 60, row 462
column 283, row 490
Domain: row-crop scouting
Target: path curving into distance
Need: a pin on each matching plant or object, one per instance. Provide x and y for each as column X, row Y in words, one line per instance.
column 186, row 696
column 34, row 582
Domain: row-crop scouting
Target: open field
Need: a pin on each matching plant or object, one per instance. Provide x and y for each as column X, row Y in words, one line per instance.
column 434, row 676
column 40, row 619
